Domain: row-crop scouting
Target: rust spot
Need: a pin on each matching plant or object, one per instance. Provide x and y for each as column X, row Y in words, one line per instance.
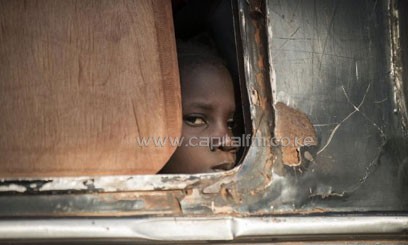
column 293, row 130
column 259, row 76
column 290, row 156
column 258, row 38
column 227, row 193
column 260, row 63
column 255, row 8
column 254, row 97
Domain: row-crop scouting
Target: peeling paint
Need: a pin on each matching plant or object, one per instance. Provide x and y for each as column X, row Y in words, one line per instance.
column 108, row 183
column 396, row 66
column 254, row 97
column 13, row 187
column 270, row 180
column 292, row 129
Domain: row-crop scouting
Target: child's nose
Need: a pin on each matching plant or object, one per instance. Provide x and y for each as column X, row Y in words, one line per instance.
column 223, row 140
column 228, row 145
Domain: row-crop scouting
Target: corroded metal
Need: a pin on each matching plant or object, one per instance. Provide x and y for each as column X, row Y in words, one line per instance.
column 264, row 184
column 333, row 63
column 293, row 131
column 271, row 182
column 168, row 195
column 396, row 64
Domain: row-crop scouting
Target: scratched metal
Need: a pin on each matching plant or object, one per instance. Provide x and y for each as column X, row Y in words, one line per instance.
column 398, row 21
column 232, row 192
column 327, row 60
column 333, row 60
column 402, row 7
column 213, row 230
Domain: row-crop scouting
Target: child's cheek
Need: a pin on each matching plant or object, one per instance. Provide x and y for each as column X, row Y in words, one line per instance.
column 196, row 132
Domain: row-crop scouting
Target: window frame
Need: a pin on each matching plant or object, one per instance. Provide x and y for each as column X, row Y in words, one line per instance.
column 178, row 195
column 192, row 202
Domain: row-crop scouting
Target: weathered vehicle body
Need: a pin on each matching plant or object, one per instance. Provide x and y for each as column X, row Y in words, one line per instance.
column 335, row 71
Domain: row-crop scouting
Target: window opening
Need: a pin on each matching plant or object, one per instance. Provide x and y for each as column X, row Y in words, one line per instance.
column 207, row 52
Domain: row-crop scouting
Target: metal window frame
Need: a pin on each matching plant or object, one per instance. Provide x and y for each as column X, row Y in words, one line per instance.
column 171, row 195
column 230, row 206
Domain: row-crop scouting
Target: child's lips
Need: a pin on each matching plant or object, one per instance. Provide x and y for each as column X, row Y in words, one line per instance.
column 223, row 166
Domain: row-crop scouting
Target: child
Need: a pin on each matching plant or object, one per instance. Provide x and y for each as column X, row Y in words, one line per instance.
column 208, row 114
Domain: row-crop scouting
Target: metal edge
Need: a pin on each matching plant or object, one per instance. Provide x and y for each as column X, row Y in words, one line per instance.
column 209, row 194
column 197, row 229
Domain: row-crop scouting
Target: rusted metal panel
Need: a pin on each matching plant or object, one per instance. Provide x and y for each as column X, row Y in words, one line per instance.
column 332, row 60
column 227, row 206
column 293, row 130
column 204, row 194
column 263, row 184
column 397, row 63
column 92, row 204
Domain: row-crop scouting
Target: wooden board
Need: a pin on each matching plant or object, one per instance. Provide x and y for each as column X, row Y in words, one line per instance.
column 80, row 81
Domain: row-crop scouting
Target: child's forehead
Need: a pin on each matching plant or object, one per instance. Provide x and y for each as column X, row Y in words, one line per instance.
column 206, row 75
column 204, row 69
column 208, row 85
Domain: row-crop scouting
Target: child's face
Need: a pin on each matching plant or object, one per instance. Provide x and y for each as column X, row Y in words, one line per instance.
column 208, row 111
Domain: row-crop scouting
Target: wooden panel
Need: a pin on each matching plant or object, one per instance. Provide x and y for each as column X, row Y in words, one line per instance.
column 80, row 81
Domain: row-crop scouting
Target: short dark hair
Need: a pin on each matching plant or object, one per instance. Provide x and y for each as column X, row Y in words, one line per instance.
column 192, row 54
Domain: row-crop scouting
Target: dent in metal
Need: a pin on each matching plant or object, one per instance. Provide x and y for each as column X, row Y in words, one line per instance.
column 264, row 184
column 331, row 61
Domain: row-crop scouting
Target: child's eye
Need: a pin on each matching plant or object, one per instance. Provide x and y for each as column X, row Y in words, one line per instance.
column 195, row 121
column 231, row 123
